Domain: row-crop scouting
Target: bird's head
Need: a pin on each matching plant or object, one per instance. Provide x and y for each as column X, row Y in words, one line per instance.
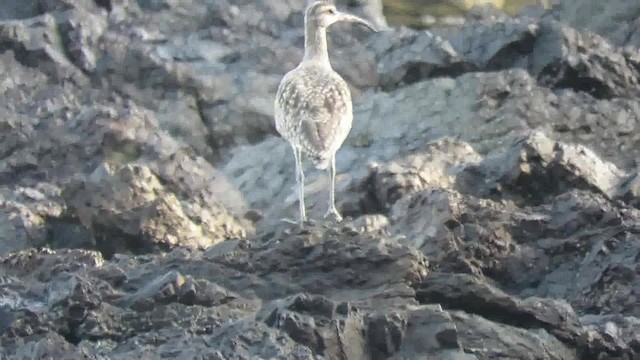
column 322, row 14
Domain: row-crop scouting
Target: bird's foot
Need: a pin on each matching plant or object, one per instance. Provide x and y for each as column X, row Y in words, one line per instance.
column 292, row 222
column 333, row 213
column 300, row 222
column 298, row 227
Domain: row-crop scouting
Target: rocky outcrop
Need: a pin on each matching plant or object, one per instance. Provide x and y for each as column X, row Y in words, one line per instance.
column 130, row 206
column 490, row 186
column 617, row 20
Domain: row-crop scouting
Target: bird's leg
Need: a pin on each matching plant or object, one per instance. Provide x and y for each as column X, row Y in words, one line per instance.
column 297, row 153
column 332, row 192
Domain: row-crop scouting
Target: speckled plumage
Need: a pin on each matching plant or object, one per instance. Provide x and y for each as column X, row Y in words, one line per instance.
column 313, row 109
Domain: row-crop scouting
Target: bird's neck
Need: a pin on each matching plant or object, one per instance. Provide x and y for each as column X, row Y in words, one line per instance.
column 315, row 45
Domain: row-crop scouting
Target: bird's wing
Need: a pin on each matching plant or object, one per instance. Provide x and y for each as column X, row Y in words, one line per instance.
column 314, row 104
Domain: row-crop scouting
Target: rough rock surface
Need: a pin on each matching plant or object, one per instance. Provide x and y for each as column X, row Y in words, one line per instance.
column 618, row 19
column 490, row 185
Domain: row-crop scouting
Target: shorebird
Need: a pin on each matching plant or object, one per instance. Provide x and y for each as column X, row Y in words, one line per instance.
column 313, row 109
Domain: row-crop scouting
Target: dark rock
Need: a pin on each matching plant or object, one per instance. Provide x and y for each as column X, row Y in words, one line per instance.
column 630, row 190
column 10, row 10
column 36, row 42
column 48, row 346
column 558, row 56
column 70, row 234
column 322, row 325
column 130, row 207
column 565, row 58
column 439, row 336
column 434, row 166
column 386, row 332
column 174, row 287
column 537, row 167
column 489, row 340
column 610, row 335
column 406, row 57
column 492, row 43
column 91, row 309
column 596, row 17
column 45, row 264
column 24, row 214
column 211, row 57
column 464, row 292
column 6, row 318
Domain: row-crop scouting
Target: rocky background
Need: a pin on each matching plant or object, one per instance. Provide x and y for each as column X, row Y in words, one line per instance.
column 490, row 182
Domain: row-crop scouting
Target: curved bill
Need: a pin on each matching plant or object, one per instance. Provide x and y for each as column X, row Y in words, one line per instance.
column 356, row 20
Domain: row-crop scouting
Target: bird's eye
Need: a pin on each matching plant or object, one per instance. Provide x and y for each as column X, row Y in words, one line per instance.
column 331, row 10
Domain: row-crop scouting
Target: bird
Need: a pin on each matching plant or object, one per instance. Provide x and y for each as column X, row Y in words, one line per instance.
column 312, row 107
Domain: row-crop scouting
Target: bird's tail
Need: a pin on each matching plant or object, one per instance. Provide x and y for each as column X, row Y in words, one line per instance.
column 321, row 162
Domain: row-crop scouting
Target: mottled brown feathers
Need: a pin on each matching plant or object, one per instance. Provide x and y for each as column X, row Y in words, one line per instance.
column 313, row 104
column 313, row 110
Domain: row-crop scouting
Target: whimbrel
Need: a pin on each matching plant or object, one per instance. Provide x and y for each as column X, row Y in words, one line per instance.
column 313, row 108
